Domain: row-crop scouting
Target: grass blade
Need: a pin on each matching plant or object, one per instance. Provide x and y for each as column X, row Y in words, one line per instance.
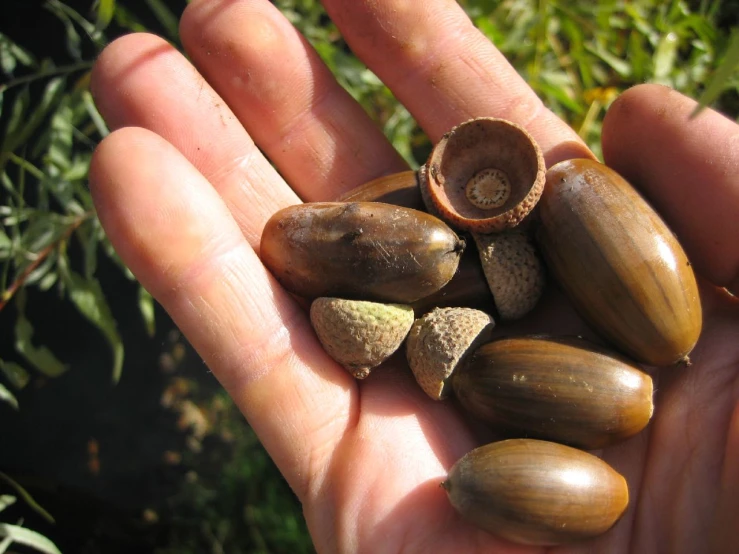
column 7, row 396
column 27, row 537
column 146, row 307
column 87, row 295
column 15, row 373
column 40, row 357
column 166, row 18
column 27, row 498
column 721, row 77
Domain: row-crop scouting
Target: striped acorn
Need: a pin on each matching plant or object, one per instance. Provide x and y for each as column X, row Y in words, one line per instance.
column 619, row 263
column 534, row 492
column 468, row 287
column 565, row 390
column 360, row 250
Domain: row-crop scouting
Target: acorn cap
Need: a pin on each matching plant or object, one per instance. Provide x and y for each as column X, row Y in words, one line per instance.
column 484, row 175
column 514, row 272
column 440, row 340
column 358, row 334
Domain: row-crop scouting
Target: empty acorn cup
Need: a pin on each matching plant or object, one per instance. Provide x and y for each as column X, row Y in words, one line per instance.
column 484, row 175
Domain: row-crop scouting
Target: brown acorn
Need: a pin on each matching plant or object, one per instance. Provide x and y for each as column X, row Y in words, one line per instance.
column 537, row 493
column 468, row 287
column 561, row 389
column 360, row 250
column 358, row 334
column 399, row 189
column 439, row 341
column 484, row 175
column 619, row 263
column 513, row 270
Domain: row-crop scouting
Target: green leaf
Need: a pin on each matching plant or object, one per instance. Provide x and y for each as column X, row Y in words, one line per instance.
column 718, row 82
column 27, row 537
column 664, row 56
column 5, row 244
column 27, row 498
column 19, row 132
column 146, row 307
column 7, row 396
column 18, row 117
column 11, row 54
column 15, row 373
column 104, row 13
column 39, row 357
column 88, row 297
column 94, row 114
column 6, row 500
column 617, row 64
column 166, row 18
column 74, row 41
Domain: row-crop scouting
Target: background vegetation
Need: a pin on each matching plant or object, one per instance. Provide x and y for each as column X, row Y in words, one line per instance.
column 54, row 257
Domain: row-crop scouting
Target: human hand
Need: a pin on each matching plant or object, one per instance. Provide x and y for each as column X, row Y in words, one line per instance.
column 183, row 193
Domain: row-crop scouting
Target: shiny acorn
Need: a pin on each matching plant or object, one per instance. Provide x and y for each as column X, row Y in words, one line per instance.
column 360, row 251
column 534, row 492
column 469, row 287
column 399, row 189
column 619, row 263
column 566, row 390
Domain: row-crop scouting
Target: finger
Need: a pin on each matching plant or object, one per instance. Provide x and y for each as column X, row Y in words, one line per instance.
column 142, row 81
column 445, row 71
column 178, row 237
column 726, row 515
column 319, row 137
column 686, row 167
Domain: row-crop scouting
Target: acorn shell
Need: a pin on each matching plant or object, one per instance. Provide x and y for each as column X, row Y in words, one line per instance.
column 619, row 263
column 513, row 270
column 537, row 493
column 440, row 340
column 566, row 390
column 485, row 175
column 358, row 334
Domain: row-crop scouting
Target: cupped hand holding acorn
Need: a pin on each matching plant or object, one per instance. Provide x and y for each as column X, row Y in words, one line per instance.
column 381, row 275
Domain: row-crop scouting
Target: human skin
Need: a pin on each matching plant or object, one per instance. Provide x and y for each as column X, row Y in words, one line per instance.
column 183, row 189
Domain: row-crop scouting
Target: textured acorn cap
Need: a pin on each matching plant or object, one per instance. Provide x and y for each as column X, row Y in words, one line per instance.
column 440, row 340
column 514, row 272
column 484, row 175
column 358, row 334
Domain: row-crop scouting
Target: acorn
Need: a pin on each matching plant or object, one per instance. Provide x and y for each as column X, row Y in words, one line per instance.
column 538, row 493
column 360, row 251
column 399, row 189
column 468, row 287
column 513, row 270
column 484, row 175
column 566, row 390
column 358, row 334
column 439, row 341
column 619, row 263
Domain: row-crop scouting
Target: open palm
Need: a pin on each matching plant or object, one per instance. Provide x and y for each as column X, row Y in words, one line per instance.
column 183, row 187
